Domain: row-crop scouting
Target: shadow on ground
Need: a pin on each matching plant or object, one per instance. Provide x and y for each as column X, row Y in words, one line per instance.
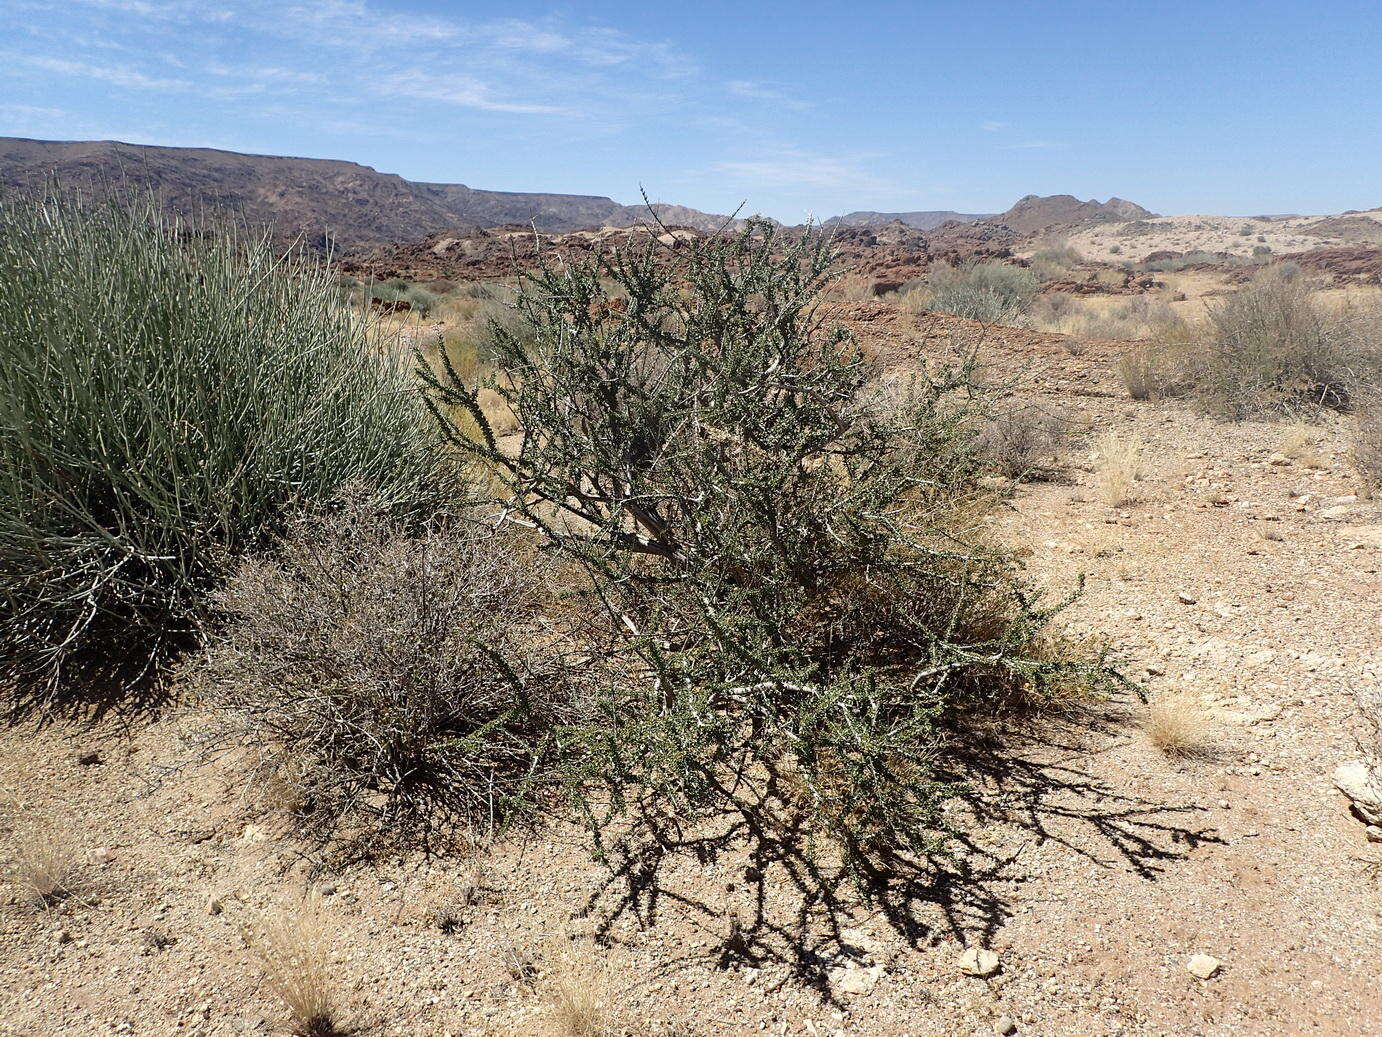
column 795, row 906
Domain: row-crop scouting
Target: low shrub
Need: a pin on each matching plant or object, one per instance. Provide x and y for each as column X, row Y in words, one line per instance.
column 419, row 299
column 401, row 686
column 169, row 393
column 1271, row 348
column 994, row 293
column 785, row 570
column 1366, row 449
column 1021, row 441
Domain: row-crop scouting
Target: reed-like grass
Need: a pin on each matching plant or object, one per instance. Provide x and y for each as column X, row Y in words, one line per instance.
column 168, row 392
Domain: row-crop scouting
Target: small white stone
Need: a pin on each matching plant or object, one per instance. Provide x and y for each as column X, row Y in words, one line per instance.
column 1203, row 966
column 978, row 961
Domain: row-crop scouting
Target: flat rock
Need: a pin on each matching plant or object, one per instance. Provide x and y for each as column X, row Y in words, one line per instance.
column 1356, row 781
column 1203, row 966
column 978, row 961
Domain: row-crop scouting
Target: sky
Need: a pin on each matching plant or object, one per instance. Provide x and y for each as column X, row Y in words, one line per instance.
column 791, row 110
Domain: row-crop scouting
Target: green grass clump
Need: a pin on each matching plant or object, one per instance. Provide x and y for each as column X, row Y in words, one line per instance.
column 167, row 395
column 420, row 299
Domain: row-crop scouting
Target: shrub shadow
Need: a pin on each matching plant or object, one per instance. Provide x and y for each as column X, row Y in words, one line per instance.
column 1035, row 784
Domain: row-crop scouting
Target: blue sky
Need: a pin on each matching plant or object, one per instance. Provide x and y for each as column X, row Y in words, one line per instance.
column 809, row 107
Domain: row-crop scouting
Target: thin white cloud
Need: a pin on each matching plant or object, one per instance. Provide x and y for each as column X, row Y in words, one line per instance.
column 459, row 90
column 757, row 91
column 115, row 75
column 1031, row 145
column 992, row 126
column 31, row 111
column 802, row 168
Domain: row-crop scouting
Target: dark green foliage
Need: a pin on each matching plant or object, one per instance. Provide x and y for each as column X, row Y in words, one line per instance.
column 165, row 395
column 781, row 550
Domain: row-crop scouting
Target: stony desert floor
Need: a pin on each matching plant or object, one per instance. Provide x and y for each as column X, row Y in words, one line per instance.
column 1095, row 869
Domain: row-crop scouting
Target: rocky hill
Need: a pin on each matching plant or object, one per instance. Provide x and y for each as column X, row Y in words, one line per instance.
column 1035, row 213
column 319, row 199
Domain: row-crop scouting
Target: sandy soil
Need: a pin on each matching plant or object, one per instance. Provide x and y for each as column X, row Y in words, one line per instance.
column 1236, row 235
column 1097, row 868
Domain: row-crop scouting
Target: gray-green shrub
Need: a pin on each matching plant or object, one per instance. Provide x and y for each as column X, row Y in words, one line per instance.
column 994, row 293
column 167, row 393
column 784, row 568
column 1271, row 347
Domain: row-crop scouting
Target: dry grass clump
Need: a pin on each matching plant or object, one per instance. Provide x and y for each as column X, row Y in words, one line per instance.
column 1366, row 449
column 1179, row 724
column 992, row 292
column 1019, row 442
column 1118, row 469
column 292, row 949
column 1134, row 317
column 577, row 988
column 44, row 861
column 402, row 682
column 1301, row 443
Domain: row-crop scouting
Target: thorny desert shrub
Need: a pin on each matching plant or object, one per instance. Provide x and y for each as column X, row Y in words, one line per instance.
column 782, row 552
column 402, row 684
column 994, row 293
column 1272, row 348
column 1019, row 441
column 166, row 395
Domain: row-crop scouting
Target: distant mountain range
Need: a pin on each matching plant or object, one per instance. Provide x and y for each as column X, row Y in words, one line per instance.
column 352, row 205
column 919, row 220
column 317, row 198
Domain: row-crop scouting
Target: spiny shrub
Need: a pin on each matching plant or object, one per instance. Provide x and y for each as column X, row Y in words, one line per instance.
column 993, row 293
column 1019, row 441
column 1272, row 348
column 166, row 394
column 781, row 550
column 399, row 685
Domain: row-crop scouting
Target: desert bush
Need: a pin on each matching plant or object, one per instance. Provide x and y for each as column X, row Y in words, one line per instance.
column 1271, row 348
column 401, row 684
column 168, row 394
column 785, row 572
column 1366, row 448
column 1017, row 442
column 421, row 300
column 1055, row 262
column 993, row 293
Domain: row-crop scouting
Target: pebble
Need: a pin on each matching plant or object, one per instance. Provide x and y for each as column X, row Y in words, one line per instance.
column 978, row 961
column 1005, row 1026
column 1203, row 966
column 1186, row 599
